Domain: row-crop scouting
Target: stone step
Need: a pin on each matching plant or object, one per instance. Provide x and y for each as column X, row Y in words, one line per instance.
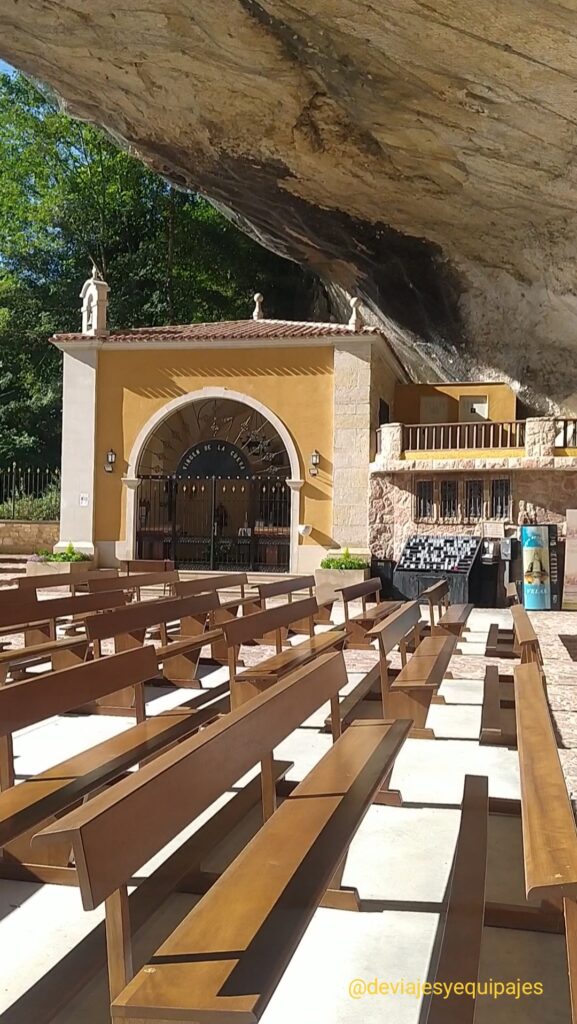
column 13, row 559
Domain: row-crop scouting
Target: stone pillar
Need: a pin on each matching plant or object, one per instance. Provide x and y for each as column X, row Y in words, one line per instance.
column 352, row 443
column 391, row 443
column 539, row 437
column 78, row 450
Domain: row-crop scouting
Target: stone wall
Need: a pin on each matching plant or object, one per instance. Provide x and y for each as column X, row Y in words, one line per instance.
column 18, row 537
column 391, row 520
column 352, row 443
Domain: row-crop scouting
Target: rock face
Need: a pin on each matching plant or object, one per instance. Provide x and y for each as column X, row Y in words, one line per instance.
column 421, row 155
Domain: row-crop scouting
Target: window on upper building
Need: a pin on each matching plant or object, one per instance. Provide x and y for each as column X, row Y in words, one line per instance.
column 449, row 499
column 474, row 494
column 500, row 498
column 424, row 502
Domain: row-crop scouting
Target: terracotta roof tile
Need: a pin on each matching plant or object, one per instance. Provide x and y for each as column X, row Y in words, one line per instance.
column 227, row 330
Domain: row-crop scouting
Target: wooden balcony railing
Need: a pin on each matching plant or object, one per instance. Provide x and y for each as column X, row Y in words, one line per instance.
column 432, row 437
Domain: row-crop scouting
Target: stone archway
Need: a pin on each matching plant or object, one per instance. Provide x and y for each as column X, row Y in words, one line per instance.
column 148, row 454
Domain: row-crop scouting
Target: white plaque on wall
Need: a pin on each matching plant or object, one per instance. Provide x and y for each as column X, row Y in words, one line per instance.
column 570, row 576
column 83, row 501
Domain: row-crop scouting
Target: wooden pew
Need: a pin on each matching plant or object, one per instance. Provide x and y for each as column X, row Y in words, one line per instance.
column 460, row 950
column 252, row 681
column 136, row 583
column 227, row 609
column 437, row 598
column 520, row 642
column 38, row 620
column 451, row 618
column 52, row 581
column 29, row 806
column 415, row 686
column 301, row 846
column 133, row 565
column 179, row 655
column 290, row 587
column 358, row 625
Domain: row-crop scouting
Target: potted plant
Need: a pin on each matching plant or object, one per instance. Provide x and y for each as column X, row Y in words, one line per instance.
column 341, row 569
column 68, row 561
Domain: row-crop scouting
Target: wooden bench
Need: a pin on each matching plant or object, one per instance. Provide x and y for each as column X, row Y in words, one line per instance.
column 520, row 642
column 252, row 681
column 73, row 580
column 29, row 806
column 136, row 583
column 415, row 686
column 291, row 863
column 133, row 565
column 451, row 618
column 437, row 598
column 226, row 609
column 460, row 949
column 358, row 625
column 290, row 587
column 38, row 620
column 179, row 656
column 512, row 593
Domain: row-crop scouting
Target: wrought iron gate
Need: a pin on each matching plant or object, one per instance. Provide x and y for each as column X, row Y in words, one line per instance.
column 213, row 523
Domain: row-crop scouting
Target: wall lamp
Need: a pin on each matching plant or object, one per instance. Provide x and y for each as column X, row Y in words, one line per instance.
column 110, row 460
column 315, row 463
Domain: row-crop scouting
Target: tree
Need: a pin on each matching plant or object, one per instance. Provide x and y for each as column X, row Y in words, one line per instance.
column 69, row 196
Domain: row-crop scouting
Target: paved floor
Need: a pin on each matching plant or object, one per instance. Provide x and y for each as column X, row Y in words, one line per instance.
column 400, row 861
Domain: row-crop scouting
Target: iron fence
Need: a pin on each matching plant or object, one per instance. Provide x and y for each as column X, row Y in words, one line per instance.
column 30, row 492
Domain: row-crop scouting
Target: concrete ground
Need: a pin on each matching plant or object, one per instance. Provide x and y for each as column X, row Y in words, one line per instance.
column 400, row 862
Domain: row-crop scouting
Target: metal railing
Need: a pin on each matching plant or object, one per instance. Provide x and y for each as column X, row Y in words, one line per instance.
column 30, row 493
column 432, row 437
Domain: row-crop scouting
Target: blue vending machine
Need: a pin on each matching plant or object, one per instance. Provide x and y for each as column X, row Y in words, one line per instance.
column 540, row 568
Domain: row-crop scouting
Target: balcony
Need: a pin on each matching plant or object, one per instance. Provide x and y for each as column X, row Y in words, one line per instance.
column 530, row 438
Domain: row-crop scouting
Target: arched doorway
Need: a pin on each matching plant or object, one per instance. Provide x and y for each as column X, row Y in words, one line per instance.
column 213, row 491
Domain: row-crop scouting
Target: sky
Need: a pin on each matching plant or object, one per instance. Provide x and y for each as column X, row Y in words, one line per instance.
column 4, row 67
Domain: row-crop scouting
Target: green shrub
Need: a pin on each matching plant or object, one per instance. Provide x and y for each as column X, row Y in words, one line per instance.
column 344, row 561
column 70, row 555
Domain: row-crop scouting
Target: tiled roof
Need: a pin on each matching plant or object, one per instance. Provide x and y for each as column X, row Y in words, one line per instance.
column 226, row 330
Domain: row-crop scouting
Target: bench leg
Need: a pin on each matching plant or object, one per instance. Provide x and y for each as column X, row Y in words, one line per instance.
column 339, row 897
column 181, row 670
column 268, row 786
column 544, row 918
column 387, row 797
column 6, row 762
column 118, row 944
column 411, row 704
column 69, row 658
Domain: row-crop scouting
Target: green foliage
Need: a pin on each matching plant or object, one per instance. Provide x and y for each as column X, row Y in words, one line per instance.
column 70, row 555
column 34, row 509
column 344, row 561
column 68, row 195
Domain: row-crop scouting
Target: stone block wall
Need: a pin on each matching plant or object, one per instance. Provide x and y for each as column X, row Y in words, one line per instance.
column 391, row 522
column 18, row 537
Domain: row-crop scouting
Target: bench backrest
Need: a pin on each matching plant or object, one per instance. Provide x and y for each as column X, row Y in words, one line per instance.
column 435, row 593
column 144, row 812
column 253, row 627
column 290, row 587
column 208, row 584
column 144, row 614
column 137, row 565
column 44, row 581
column 134, row 582
column 394, row 629
column 39, row 697
column 27, row 609
column 364, row 590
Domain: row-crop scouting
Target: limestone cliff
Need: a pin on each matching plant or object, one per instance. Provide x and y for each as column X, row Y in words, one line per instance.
column 421, row 154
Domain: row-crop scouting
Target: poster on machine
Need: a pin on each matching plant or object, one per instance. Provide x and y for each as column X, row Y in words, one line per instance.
column 570, row 583
column 536, row 568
